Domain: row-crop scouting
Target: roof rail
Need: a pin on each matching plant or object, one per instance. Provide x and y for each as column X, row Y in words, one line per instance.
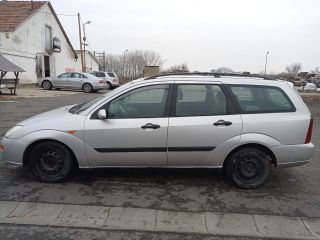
column 217, row 75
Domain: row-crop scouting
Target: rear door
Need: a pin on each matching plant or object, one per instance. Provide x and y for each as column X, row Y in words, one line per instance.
column 76, row 81
column 202, row 124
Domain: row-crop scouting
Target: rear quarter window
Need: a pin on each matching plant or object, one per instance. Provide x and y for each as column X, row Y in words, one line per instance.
column 261, row 99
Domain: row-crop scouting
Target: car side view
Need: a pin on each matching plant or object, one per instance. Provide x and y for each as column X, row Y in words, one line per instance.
column 111, row 78
column 243, row 124
column 74, row 80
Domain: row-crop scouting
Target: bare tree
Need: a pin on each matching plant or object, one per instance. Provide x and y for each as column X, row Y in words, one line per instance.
column 316, row 70
column 222, row 70
column 294, row 69
column 130, row 65
column 177, row 68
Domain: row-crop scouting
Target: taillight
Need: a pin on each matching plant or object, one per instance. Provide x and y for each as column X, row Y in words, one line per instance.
column 309, row 133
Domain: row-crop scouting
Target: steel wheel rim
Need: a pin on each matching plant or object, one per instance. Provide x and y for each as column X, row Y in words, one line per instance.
column 248, row 167
column 50, row 162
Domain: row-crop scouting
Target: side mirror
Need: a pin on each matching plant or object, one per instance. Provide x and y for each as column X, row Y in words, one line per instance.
column 102, row 114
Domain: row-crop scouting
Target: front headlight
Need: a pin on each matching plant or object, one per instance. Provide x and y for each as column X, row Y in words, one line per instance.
column 12, row 130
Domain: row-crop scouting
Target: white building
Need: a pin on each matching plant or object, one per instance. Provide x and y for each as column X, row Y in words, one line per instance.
column 91, row 62
column 32, row 37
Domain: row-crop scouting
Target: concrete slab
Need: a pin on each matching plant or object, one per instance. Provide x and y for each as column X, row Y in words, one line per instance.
column 313, row 225
column 282, row 227
column 6, row 208
column 82, row 216
column 34, row 213
column 240, row 225
column 180, row 222
column 131, row 219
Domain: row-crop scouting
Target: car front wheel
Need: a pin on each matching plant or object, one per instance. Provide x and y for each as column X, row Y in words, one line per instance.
column 51, row 161
column 249, row 167
column 47, row 85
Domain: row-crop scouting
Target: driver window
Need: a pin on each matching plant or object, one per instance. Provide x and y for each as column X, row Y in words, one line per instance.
column 146, row 102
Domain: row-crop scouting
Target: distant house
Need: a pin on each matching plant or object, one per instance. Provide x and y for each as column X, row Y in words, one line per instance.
column 32, row 37
column 91, row 62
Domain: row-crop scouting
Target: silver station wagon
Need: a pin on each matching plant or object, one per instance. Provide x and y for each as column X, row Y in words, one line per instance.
column 243, row 124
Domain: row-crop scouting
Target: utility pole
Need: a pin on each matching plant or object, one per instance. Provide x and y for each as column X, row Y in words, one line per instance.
column 80, row 38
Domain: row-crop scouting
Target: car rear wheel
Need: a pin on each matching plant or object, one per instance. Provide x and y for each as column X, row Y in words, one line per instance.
column 249, row 167
column 47, row 85
column 51, row 161
column 109, row 85
column 87, row 88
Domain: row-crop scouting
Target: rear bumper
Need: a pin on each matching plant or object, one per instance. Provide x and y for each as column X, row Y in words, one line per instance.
column 115, row 83
column 293, row 155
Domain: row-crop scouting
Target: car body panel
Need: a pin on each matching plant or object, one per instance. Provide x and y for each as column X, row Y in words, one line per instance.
column 190, row 134
column 123, row 142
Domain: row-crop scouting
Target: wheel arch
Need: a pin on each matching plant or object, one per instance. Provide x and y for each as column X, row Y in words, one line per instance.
column 254, row 145
column 25, row 158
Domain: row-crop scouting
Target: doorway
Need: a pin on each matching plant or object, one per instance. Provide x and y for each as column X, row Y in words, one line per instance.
column 46, row 66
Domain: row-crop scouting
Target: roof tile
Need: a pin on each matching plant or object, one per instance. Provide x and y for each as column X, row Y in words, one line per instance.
column 13, row 13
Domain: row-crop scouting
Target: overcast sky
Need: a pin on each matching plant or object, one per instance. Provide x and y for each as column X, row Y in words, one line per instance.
column 205, row 34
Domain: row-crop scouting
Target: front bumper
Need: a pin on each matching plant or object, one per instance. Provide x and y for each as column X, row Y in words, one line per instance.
column 293, row 155
column 13, row 150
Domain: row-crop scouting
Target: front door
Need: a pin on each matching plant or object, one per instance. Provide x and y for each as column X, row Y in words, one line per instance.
column 201, row 126
column 135, row 131
column 62, row 80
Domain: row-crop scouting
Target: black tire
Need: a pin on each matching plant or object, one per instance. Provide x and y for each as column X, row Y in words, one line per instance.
column 87, row 88
column 249, row 167
column 51, row 161
column 109, row 85
column 47, row 85
column 58, row 89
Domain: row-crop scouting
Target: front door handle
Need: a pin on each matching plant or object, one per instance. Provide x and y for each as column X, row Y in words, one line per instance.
column 150, row 125
column 222, row 123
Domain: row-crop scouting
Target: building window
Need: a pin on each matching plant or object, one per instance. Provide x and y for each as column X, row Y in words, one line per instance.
column 48, row 38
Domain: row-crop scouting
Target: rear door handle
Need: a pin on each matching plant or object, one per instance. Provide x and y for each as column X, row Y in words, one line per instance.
column 222, row 123
column 150, row 125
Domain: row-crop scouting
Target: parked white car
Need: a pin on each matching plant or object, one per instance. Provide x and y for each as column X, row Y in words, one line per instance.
column 74, row 80
column 111, row 78
column 241, row 124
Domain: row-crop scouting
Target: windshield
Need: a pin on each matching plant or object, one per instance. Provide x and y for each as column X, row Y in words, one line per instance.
column 85, row 105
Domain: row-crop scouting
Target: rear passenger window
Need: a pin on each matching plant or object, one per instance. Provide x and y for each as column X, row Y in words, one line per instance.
column 262, row 99
column 200, row 100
